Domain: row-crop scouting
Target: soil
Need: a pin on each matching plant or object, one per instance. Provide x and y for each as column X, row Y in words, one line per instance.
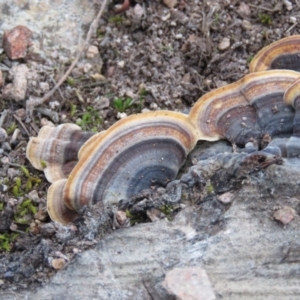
column 164, row 59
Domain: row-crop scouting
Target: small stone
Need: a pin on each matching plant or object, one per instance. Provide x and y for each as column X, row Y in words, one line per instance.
column 92, row 51
column 17, row 89
column 87, row 67
column 226, row 198
column 12, row 173
column 246, row 25
column 244, row 9
column 3, row 135
column 34, row 196
column 16, row 42
column 121, row 115
column 288, row 4
column 154, row 214
column 191, row 283
column 285, row 215
column 44, row 87
column 98, row 77
column 21, row 113
column 12, row 202
column 224, row 44
column 58, row 263
column 121, row 64
column 41, row 215
column 121, row 217
column 75, row 250
column 170, row 3
column 138, row 11
column 153, row 106
column 47, row 229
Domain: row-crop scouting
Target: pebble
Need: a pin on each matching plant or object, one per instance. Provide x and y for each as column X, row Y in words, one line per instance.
column 226, row 198
column 190, row 283
column 224, row 44
column 121, row 115
column 16, row 42
column 3, row 135
column 244, row 9
column 170, row 3
column 21, row 113
column 98, row 77
column 246, row 25
column 121, row 217
column 92, row 51
column 47, row 229
column 58, row 263
column 288, row 4
column 285, row 215
column 138, row 11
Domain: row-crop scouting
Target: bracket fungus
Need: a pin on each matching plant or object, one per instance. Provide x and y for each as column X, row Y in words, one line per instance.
column 136, row 153
column 259, row 112
column 247, row 110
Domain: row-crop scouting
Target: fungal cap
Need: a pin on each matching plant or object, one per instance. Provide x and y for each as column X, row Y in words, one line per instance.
column 135, row 153
column 55, row 150
column 234, row 107
column 283, row 54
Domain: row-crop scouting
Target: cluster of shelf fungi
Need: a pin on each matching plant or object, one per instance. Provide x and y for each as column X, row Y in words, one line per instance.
column 260, row 112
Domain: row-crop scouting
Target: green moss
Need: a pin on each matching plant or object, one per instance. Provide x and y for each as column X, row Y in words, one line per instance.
column 90, row 120
column 70, row 81
column 116, row 19
column 73, row 110
column 121, row 104
column 25, row 171
column 134, row 219
column 26, row 208
column 265, row 19
column 1, row 206
column 249, row 59
column 10, row 129
column 167, row 209
column 210, row 188
column 6, row 240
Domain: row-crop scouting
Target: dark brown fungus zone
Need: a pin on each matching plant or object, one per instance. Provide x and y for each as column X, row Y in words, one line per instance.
column 55, row 150
column 138, row 152
column 249, row 110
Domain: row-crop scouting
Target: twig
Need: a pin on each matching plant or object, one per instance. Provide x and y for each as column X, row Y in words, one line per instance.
column 65, row 76
column 22, row 125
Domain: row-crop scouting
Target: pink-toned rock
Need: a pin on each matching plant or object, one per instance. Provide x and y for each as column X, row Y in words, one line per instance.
column 191, row 283
column 285, row 215
column 226, row 198
column 16, row 42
